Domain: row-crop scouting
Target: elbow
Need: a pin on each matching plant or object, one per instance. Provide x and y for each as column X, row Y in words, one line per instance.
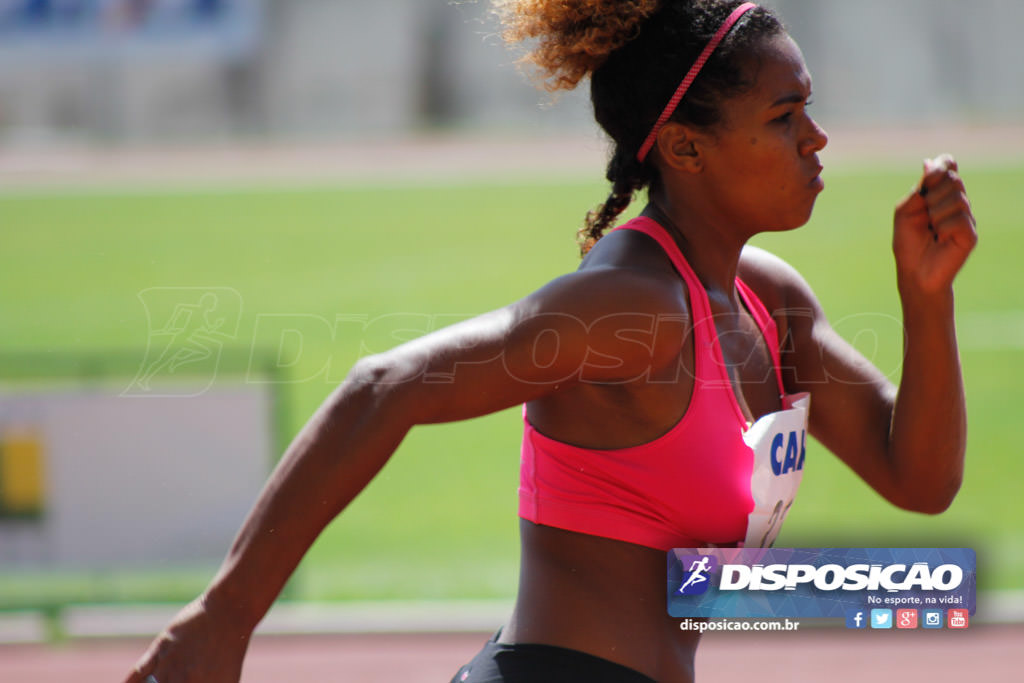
column 378, row 384
column 929, row 479
column 943, row 499
column 934, row 499
column 931, row 507
column 370, row 374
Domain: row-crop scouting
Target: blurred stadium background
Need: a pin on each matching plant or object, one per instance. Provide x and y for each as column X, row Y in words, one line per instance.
column 210, row 208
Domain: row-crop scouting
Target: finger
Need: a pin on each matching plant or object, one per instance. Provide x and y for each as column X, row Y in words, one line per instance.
column 934, row 180
column 956, row 226
column 947, row 161
column 138, row 675
column 144, row 668
column 952, row 216
column 936, row 170
column 912, row 204
column 959, row 229
column 949, row 204
column 936, row 188
column 911, row 219
column 146, row 664
column 946, row 197
column 943, row 162
column 952, row 205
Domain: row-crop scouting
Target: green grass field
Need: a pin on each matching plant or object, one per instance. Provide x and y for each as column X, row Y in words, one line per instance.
column 440, row 520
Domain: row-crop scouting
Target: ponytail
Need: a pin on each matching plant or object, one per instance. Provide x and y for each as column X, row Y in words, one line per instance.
column 627, row 177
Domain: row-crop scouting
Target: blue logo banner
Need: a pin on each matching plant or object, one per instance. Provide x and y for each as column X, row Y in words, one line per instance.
column 818, row 582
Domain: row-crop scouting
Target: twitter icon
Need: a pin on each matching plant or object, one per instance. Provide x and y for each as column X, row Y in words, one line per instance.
column 881, row 618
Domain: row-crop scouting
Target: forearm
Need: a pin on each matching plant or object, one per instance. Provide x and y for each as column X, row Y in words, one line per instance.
column 332, row 459
column 928, row 436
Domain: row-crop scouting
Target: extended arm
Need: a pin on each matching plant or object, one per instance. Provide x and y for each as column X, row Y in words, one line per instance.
column 548, row 340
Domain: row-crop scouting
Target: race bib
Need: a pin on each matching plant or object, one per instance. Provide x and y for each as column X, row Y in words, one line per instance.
column 779, row 443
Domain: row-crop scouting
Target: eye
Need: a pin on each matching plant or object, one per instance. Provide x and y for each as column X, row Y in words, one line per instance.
column 788, row 116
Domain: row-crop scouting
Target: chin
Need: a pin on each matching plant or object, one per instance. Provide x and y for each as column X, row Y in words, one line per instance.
column 801, row 219
column 789, row 218
column 787, row 226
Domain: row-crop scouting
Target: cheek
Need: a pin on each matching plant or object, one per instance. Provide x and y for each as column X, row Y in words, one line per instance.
column 777, row 167
column 759, row 156
column 765, row 170
column 758, row 169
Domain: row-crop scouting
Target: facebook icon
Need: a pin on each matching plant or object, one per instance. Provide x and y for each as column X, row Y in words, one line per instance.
column 856, row 618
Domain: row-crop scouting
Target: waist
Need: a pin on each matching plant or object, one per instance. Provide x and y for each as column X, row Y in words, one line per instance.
column 602, row 597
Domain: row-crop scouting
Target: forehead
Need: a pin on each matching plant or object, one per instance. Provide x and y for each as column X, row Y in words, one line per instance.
column 780, row 70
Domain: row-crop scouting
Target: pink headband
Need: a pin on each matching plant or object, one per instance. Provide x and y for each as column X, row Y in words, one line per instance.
column 690, row 76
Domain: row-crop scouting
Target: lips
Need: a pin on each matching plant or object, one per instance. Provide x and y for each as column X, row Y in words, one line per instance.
column 816, row 180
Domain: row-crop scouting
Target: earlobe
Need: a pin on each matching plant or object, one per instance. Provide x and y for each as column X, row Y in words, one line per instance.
column 679, row 148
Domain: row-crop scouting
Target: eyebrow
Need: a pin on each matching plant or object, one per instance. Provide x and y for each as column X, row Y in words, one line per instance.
column 791, row 98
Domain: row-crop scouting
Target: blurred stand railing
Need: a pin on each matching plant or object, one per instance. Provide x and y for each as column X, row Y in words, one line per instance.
column 169, row 71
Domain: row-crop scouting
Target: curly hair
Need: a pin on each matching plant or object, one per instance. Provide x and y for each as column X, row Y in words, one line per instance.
column 635, row 53
column 574, row 38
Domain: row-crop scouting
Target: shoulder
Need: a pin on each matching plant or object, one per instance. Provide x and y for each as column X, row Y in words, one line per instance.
column 625, row 272
column 632, row 250
column 624, row 303
column 778, row 284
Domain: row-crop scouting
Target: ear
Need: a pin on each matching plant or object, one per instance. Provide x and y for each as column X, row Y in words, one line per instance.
column 679, row 147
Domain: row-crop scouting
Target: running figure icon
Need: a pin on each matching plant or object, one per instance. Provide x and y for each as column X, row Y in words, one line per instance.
column 696, row 576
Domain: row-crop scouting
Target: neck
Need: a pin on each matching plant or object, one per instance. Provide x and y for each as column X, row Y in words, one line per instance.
column 713, row 253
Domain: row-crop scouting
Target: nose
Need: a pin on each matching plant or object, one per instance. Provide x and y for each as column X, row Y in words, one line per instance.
column 816, row 139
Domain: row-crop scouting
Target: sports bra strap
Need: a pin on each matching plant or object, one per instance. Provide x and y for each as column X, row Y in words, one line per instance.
column 766, row 323
column 698, row 297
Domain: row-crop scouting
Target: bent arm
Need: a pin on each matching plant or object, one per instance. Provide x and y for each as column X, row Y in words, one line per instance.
column 909, row 442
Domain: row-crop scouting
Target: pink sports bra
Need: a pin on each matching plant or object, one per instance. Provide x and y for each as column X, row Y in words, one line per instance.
column 690, row 487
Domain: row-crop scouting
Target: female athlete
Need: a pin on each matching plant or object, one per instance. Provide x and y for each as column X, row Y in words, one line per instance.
column 653, row 375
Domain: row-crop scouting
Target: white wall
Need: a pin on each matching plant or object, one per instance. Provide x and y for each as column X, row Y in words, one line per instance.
column 141, row 480
column 912, row 61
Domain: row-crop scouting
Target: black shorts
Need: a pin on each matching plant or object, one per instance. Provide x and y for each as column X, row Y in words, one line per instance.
column 505, row 663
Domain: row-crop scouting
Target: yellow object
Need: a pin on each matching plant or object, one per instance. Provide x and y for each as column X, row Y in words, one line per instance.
column 21, row 473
